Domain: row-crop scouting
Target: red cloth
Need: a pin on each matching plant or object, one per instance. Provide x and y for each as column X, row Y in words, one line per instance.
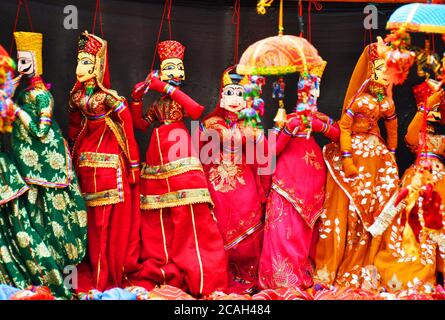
column 238, row 195
column 113, row 239
column 188, row 234
column 182, row 247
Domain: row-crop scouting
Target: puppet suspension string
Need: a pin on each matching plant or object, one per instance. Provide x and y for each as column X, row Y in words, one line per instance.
column 364, row 38
column 280, row 19
column 96, row 11
column 300, row 17
column 318, row 6
column 236, row 21
column 167, row 4
column 20, row 3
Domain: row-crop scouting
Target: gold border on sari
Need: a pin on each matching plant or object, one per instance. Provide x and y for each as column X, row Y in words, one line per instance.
column 170, row 169
column 176, row 199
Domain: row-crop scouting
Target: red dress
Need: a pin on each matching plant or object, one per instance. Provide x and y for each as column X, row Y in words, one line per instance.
column 238, row 194
column 106, row 159
column 181, row 244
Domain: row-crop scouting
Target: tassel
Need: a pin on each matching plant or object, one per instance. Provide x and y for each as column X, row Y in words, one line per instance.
column 395, row 205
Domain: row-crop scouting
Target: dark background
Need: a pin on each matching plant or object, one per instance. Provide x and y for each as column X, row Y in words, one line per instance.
column 206, row 29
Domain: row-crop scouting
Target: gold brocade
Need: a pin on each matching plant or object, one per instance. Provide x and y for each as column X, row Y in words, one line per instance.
column 105, row 161
column 170, row 169
column 226, row 176
column 175, row 199
column 99, row 160
column 102, row 198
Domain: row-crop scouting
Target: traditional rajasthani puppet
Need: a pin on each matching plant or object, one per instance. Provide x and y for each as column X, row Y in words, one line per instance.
column 54, row 200
column 362, row 177
column 234, row 183
column 414, row 244
column 25, row 259
column 296, row 198
column 106, row 157
column 181, row 244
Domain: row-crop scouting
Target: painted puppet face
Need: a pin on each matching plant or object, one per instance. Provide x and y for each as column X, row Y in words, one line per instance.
column 379, row 70
column 232, row 98
column 26, row 63
column 85, row 66
column 172, row 71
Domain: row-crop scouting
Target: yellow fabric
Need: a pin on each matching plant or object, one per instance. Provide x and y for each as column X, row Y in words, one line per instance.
column 360, row 75
column 32, row 42
column 402, row 259
column 344, row 246
column 345, row 249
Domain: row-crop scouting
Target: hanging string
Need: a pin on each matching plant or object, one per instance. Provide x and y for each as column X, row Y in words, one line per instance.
column 280, row 19
column 300, row 17
column 159, row 34
column 169, row 2
column 365, row 42
column 318, row 6
column 96, row 12
column 236, row 21
column 433, row 43
column 20, row 3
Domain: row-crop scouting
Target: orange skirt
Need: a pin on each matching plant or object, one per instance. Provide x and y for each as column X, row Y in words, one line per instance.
column 345, row 249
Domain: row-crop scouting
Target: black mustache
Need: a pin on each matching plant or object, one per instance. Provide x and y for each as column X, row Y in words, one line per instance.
column 27, row 69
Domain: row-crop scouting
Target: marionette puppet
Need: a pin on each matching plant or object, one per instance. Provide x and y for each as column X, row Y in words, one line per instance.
column 237, row 189
column 54, row 201
column 181, row 244
column 25, row 257
column 362, row 177
column 106, row 158
column 413, row 249
column 298, row 190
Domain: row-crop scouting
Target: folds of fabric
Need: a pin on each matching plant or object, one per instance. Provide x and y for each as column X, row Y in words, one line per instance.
column 25, row 257
column 181, row 244
column 294, row 205
column 412, row 253
column 113, row 207
column 345, row 248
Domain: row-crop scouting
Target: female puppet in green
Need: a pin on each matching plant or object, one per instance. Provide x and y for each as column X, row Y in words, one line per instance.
column 54, row 201
column 25, row 259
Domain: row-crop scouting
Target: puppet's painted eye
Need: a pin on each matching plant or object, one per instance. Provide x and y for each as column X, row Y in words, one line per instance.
column 239, row 93
column 229, row 92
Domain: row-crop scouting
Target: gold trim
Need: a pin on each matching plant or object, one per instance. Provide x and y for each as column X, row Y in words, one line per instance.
column 176, row 198
column 411, row 27
column 197, row 251
column 99, row 160
column 163, row 237
column 297, row 207
column 119, row 136
column 102, row 198
column 170, row 169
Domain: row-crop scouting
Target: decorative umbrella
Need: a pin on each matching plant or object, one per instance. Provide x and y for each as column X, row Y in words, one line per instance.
column 279, row 55
column 419, row 17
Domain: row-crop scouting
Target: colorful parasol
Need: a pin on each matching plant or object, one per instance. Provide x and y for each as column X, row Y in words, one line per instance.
column 419, row 17
column 279, row 55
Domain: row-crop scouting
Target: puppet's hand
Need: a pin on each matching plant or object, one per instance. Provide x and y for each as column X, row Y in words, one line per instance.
column 157, row 85
column 138, row 91
column 350, row 168
column 293, row 123
column 134, row 175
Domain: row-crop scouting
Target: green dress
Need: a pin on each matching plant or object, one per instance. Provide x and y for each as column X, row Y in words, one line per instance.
column 25, row 259
column 54, row 201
